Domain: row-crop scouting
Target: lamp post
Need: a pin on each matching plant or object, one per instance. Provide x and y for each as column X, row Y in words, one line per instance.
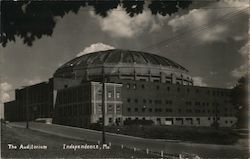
column 103, row 107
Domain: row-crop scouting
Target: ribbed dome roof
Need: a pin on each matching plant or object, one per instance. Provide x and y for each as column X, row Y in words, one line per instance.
column 117, row 56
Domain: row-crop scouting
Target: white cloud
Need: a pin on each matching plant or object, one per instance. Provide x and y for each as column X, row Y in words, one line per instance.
column 244, row 50
column 215, row 34
column 199, row 81
column 119, row 24
column 244, row 68
column 199, row 19
column 95, row 47
column 240, row 71
column 239, row 38
column 5, row 89
column 4, row 94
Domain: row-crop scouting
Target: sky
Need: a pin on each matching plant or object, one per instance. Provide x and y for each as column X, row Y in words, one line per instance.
column 210, row 41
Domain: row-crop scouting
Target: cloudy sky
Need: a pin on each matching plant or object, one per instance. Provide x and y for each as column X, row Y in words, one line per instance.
column 211, row 42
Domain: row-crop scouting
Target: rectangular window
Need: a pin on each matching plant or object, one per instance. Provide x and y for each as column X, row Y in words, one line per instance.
column 128, row 100
column 117, row 94
column 142, row 86
column 110, row 120
column 134, row 86
column 109, row 94
column 128, row 85
column 136, row 100
column 169, row 110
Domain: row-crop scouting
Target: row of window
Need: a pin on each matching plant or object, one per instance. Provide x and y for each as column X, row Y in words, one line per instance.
column 151, row 101
column 189, row 103
column 110, row 108
column 110, row 94
column 169, row 110
column 181, row 119
column 178, row 89
column 198, row 103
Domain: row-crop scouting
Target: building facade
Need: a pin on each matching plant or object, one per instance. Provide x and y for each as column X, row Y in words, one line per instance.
column 139, row 86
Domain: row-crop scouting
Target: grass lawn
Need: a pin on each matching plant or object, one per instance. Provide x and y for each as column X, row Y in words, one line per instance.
column 17, row 136
column 206, row 135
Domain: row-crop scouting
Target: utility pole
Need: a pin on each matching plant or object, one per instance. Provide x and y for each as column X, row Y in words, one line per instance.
column 103, row 107
column 27, row 109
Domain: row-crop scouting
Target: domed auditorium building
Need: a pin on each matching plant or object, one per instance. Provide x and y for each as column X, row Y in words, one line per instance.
column 137, row 86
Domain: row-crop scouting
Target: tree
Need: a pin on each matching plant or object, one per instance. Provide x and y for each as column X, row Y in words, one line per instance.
column 239, row 98
column 32, row 19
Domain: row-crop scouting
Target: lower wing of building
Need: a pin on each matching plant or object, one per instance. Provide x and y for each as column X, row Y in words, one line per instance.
column 125, row 100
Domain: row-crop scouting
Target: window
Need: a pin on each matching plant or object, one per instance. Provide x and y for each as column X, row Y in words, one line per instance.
column 150, row 101
column 168, row 88
column 136, row 109
column 118, row 107
column 134, row 86
column 109, row 95
column 136, row 100
column 188, row 90
column 110, row 108
column 110, row 120
column 156, row 80
column 117, row 94
column 144, row 101
column 99, row 92
column 197, row 111
column 169, row 110
column 150, row 109
column 128, row 85
column 197, row 103
column 143, row 109
column 142, row 86
column 128, row 100
column 129, row 109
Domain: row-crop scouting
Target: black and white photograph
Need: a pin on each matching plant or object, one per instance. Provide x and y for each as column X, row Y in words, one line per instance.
column 124, row 79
